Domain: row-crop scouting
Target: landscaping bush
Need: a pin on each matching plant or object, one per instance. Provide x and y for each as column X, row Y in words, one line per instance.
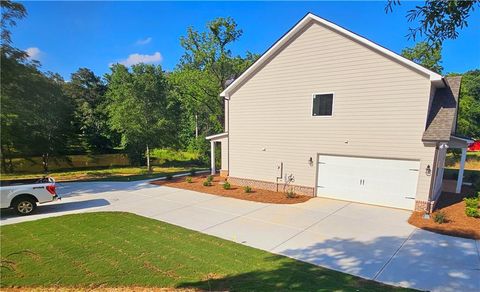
column 210, row 178
column 472, row 212
column 290, row 194
column 440, row 217
column 188, row 179
column 207, row 183
column 247, row 189
column 471, row 206
column 471, row 202
column 226, row 185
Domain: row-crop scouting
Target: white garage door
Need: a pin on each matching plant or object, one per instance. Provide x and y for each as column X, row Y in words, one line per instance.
column 384, row 182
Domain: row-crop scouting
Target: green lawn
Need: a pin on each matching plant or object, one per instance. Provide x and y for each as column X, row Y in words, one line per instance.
column 104, row 174
column 122, row 249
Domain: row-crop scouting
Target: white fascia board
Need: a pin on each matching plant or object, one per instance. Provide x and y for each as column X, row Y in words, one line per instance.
column 216, row 136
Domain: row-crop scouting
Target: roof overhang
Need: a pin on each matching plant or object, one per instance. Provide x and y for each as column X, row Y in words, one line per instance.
column 435, row 78
column 459, row 142
column 217, row 137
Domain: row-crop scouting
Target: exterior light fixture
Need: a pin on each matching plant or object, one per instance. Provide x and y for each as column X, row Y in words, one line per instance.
column 428, row 170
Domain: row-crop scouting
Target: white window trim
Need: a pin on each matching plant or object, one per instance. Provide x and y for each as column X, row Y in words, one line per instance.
column 333, row 104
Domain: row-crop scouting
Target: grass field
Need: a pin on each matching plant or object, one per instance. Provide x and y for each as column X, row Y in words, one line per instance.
column 87, row 161
column 471, row 163
column 122, row 249
column 107, row 174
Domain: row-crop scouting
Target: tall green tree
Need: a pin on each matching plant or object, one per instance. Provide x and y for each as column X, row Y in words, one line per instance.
column 428, row 56
column 140, row 109
column 91, row 118
column 205, row 69
column 36, row 115
column 469, row 108
column 437, row 20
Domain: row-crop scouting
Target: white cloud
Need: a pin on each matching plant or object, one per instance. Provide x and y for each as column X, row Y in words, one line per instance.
column 34, row 53
column 138, row 58
column 144, row 41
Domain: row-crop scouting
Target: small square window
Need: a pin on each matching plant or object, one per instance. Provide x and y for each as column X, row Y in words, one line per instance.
column 322, row 104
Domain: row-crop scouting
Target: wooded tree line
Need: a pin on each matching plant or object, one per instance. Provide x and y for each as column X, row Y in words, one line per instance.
column 134, row 109
column 142, row 107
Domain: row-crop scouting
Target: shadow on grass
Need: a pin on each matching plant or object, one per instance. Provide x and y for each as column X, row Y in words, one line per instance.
column 414, row 266
column 289, row 276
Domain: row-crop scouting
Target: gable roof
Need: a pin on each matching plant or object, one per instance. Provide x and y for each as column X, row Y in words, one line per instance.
column 443, row 111
column 434, row 77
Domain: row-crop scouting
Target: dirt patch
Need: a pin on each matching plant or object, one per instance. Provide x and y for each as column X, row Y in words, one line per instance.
column 458, row 224
column 237, row 192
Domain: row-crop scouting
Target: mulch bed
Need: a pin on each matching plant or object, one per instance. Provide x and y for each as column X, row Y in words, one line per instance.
column 101, row 289
column 257, row 195
column 458, row 224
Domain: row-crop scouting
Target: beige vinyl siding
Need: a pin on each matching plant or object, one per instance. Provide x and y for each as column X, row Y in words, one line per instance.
column 380, row 108
column 224, row 153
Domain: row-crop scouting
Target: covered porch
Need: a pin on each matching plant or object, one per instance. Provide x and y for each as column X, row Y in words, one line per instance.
column 221, row 138
column 449, row 185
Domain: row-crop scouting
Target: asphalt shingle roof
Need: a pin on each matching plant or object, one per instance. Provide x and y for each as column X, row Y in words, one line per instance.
column 443, row 111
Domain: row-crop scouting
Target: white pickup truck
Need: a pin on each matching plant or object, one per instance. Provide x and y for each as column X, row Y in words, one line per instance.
column 23, row 198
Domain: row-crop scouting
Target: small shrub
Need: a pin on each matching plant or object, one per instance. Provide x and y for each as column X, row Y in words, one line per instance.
column 188, row 179
column 207, row 183
column 226, row 185
column 290, row 194
column 471, row 202
column 247, row 189
column 210, row 178
column 471, row 207
column 440, row 217
column 472, row 212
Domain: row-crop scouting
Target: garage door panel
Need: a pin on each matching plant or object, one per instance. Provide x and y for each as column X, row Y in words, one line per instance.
column 383, row 182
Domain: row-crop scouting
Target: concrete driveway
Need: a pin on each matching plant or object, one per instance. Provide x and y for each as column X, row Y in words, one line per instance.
column 372, row 242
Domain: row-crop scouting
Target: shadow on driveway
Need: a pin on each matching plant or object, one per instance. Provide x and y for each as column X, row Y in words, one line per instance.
column 58, row 207
column 426, row 263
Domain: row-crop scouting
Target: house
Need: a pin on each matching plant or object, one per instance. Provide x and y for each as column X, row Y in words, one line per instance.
column 324, row 106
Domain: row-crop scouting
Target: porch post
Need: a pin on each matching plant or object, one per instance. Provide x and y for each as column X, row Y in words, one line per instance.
column 212, row 157
column 460, row 171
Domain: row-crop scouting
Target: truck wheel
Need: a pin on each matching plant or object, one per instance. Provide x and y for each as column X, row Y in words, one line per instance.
column 24, row 206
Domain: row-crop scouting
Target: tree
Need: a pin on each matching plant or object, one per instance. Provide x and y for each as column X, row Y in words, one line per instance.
column 204, row 71
column 88, row 93
column 36, row 115
column 438, row 19
column 11, row 12
column 425, row 55
column 469, row 107
column 140, row 109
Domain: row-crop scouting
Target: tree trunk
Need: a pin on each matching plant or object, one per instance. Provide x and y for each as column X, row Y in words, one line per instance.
column 148, row 159
column 196, row 126
column 4, row 161
column 45, row 163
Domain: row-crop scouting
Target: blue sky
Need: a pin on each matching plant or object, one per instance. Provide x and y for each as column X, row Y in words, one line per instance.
column 65, row 36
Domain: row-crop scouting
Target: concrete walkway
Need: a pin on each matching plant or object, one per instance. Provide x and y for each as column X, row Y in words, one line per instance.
column 372, row 242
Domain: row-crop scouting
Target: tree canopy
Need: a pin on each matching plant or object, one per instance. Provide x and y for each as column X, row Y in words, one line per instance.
column 469, row 105
column 427, row 56
column 140, row 108
column 437, row 20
